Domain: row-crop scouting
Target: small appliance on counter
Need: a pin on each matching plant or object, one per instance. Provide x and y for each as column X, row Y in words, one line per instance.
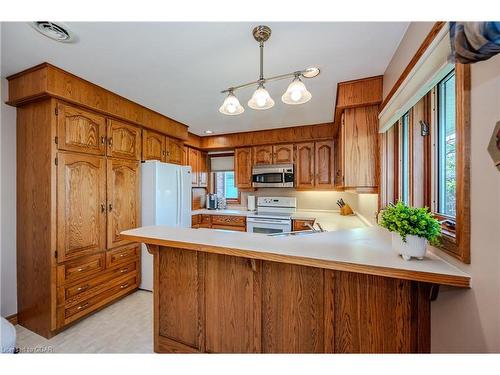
column 251, row 202
column 211, row 201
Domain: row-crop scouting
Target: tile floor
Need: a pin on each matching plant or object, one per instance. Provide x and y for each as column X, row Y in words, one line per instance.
column 124, row 327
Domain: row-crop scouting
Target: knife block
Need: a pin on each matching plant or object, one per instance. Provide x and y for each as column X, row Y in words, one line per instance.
column 346, row 210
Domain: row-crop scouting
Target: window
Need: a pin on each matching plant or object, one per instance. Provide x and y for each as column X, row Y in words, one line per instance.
column 405, row 159
column 224, row 185
column 425, row 159
column 446, row 147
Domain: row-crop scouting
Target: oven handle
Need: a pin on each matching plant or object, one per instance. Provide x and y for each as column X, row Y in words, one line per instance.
column 264, row 221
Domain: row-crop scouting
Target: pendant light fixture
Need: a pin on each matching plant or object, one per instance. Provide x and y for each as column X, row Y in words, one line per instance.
column 231, row 105
column 295, row 94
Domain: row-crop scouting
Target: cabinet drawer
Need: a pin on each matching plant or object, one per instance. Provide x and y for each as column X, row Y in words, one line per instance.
column 238, row 221
column 80, row 268
column 100, row 299
column 87, row 288
column 205, row 219
column 122, row 254
column 195, row 220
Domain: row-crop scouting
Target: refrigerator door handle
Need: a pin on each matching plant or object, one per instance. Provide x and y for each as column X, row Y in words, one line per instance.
column 179, row 196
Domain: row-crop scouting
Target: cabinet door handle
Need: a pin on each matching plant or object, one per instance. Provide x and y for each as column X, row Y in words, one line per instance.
column 103, row 140
column 82, row 268
column 123, row 270
column 123, row 255
column 84, row 287
column 123, row 286
column 103, row 207
column 110, row 141
column 110, row 207
column 82, row 306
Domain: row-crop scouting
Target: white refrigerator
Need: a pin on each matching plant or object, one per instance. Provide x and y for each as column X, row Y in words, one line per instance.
column 165, row 200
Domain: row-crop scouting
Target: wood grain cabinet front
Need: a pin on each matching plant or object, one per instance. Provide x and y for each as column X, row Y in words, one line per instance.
column 283, row 154
column 232, row 313
column 81, row 205
column 153, row 146
column 124, row 140
column 175, row 151
column 299, row 224
column 243, row 167
column 304, row 167
column 123, row 194
column 263, row 154
column 80, row 130
column 324, row 165
column 80, row 268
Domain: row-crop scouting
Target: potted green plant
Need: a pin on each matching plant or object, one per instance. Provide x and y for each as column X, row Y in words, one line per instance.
column 411, row 229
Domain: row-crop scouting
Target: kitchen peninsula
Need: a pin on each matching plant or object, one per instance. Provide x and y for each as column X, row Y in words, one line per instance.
column 332, row 292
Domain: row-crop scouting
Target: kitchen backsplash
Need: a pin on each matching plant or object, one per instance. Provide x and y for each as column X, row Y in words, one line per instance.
column 364, row 204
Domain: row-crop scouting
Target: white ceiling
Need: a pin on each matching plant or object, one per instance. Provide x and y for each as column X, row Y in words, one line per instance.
column 179, row 69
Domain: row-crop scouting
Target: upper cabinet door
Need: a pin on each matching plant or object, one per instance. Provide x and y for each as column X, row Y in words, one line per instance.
column 153, row 146
column 304, row 169
column 193, row 161
column 283, row 154
column 324, row 166
column 175, row 151
column 243, row 167
column 81, row 205
column 203, row 164
column 81, row 131
column 124, row 141
column 123, row 199
column 263, row 155
column 361, row 147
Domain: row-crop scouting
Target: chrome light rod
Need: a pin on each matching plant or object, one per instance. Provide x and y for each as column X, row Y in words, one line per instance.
column 313, row 72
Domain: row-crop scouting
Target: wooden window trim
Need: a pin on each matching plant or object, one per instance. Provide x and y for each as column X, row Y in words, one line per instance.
column 457, row 244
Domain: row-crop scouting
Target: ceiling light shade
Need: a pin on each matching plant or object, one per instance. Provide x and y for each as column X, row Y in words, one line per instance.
column 231, row 106
column 261, row 99
column 296, row 93
column 310, row 72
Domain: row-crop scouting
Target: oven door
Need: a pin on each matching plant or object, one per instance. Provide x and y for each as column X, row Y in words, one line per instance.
column 268, row 226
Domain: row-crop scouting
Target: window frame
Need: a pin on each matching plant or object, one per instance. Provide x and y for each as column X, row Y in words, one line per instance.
column 213, row 186
column 455, row 243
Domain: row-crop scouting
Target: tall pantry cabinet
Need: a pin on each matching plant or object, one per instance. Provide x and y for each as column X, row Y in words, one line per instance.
column 78, row 181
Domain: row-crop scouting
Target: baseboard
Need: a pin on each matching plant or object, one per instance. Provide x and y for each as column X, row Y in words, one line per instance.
column 12, row 319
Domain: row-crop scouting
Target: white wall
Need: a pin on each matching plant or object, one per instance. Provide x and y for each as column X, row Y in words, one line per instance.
column 469, row 320
column 8, row 291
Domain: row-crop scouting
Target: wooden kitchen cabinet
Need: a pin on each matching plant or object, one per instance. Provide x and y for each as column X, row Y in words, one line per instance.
column 338, row 150
column 283, row 154
column 263, row 154
column 243, row 167
column 193, row 159
column 304, row 167
column 276, row 154
column 232, row 314
column 81, row 205
column 299, row 225
column 360, row 147
column 203, row 169
column 80, row 130
column 123, row 140
column 292, row 308
column 153, row 146
column 123, row 184
column 175, row 151
column 181, row 301
column 323, row 165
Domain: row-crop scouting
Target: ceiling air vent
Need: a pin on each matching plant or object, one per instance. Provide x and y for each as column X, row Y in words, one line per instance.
column 54, row 31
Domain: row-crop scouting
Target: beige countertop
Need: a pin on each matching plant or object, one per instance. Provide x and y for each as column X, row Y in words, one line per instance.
column 330, row 220
column 362, row 250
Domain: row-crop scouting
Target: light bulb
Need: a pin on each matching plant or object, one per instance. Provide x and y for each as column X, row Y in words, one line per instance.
column 261, row 99
column 296, row 93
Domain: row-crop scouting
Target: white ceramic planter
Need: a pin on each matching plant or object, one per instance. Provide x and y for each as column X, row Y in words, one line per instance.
column 414, row 247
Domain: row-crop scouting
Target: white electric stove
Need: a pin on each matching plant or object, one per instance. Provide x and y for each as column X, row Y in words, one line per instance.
column 273, row 215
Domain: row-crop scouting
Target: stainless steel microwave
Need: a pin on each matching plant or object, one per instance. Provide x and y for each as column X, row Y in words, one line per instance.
column 278, row 175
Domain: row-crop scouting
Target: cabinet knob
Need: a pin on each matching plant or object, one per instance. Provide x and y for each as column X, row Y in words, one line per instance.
column 110, row 142
column 103, row 207
column 110, row 207
column 123, row 286
column 84, row 287
column 103, row 140
column 82, row 306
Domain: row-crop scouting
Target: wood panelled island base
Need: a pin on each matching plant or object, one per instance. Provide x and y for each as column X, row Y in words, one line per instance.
column 215, row 299
column 226, row 304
